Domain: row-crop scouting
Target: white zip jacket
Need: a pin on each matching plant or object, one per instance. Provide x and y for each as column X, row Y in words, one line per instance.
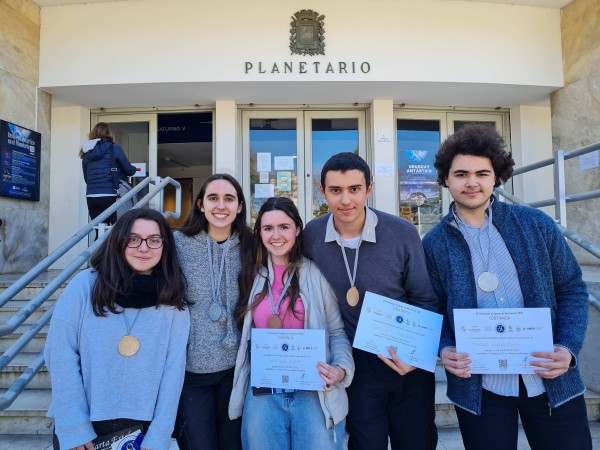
column 321, row 312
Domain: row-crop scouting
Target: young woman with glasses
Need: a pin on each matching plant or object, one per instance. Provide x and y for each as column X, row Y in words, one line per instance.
column 290, row 292
column 117, row 340
column 216, row 253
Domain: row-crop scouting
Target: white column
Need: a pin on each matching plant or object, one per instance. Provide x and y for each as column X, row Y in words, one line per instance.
column 531, row 140
column 68, row 207
column 227, row 157
column 383, row 161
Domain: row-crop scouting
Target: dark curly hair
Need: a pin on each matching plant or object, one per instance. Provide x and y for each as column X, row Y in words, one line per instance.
column 476, row 140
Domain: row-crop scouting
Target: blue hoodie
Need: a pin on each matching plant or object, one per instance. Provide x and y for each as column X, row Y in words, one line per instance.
column 96, row 167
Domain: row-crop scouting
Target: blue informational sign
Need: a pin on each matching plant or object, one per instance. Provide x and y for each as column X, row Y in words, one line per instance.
column 20, row 150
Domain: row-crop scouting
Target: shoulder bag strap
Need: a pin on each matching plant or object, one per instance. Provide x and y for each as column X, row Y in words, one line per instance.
column 113, row 168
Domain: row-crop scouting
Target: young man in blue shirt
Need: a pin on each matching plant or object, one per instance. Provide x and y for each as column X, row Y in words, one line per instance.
column 487, row 254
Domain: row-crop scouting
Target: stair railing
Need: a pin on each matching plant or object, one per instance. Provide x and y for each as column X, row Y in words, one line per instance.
column 21, row 316
column 561, row 199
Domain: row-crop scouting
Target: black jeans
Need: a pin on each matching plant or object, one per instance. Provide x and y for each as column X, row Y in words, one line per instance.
column 97, row 205
column 104, row 427
column 384, row 403
column 564, row 427
column 202, row 418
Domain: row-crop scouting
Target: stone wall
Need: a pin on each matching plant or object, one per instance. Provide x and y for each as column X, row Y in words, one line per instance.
column 24, row 230
column 576, row 114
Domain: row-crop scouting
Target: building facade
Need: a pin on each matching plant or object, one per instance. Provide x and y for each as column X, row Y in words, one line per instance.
column 268, row 90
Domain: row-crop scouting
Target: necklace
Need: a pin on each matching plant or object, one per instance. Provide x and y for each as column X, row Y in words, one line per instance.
column 215, row 311
column 487, row 281
column 274, row 321
column 352, row 295
column 129, row 344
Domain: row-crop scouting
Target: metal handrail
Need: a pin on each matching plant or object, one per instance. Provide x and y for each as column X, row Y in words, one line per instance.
column 573, row 237
column 560, row 199
column 20, row 316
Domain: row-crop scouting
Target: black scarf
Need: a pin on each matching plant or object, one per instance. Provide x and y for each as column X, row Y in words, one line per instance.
column 144, row 292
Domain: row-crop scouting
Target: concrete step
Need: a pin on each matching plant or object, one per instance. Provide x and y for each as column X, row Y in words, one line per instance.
column 448, row 439
column 32, row 290
column 14, row 306
column 25, row 442
column 445, row 415
column 16, row 368
column 27, row 415
column 35, row 345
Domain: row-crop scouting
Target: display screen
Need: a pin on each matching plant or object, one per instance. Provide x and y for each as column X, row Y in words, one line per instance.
column 20, row 161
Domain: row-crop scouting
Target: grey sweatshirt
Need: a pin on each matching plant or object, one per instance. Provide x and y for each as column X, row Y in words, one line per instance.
column 393, row 266
column 212, row 345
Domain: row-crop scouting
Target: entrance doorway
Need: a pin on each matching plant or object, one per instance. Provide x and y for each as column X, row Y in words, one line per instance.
column 175, row 144
column 284, row 152
column 418, row 137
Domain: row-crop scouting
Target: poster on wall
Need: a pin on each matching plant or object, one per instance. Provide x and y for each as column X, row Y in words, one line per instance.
column 418, row 176
column 20, row 150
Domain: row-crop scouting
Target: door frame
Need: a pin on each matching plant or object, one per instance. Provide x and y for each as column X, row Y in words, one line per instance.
column 151, row 119
column 446, row 119
column 303, row 119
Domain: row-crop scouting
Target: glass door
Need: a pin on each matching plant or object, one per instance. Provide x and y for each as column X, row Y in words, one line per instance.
column 273, row 155
column 328, row 133
column 284, row 152
column 137, row 136
column 418, row 137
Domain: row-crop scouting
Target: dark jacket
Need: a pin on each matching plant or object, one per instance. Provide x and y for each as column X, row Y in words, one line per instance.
column 96, row 166
column 549, row 276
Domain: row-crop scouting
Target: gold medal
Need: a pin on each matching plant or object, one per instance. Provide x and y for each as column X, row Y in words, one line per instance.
column 352, row 296
column 129, row 345
column 274, row 321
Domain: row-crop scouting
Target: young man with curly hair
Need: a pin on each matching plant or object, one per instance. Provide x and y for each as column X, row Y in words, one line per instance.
column 488, row 254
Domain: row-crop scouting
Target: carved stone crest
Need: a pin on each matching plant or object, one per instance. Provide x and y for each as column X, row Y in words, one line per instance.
column 307, row 33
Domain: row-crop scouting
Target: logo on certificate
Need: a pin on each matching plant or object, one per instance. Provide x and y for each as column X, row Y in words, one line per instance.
column 399, row 319
column 284, row 347
column 500, row 328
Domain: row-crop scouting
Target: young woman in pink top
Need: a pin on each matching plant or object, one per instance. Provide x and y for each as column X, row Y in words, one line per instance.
column 290, row 292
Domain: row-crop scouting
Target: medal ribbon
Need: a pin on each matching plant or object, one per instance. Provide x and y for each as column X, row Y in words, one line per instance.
column 351, row 277
column 461, row 223
column 129, row 328
column 215, row 290
column 275, row 308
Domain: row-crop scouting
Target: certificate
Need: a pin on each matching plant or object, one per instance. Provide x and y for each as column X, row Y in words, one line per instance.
column 502, row 340
column 287, row 358
column 413, row 332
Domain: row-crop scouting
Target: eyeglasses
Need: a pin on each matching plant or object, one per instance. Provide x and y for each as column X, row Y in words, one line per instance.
column 153, row 242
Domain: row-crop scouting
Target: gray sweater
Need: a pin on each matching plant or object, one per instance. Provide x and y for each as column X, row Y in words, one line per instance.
column 212, row 346
column 393, row 266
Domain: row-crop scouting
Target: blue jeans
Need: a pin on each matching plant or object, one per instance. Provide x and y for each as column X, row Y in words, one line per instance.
column 288, row 421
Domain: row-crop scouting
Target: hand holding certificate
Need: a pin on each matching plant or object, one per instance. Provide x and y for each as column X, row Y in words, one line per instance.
column 501, row 341
column 287, row 358
column 413, row 333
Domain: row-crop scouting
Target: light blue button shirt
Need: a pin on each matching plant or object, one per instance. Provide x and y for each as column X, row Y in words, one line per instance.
column 486, row 245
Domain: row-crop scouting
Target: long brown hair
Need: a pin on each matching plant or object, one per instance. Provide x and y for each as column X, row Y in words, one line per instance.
column 196, row 222
column 101, row 130
column 115, row 275
column 288, row 207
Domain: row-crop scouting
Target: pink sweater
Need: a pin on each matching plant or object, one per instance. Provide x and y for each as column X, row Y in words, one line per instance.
column 263, row 310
